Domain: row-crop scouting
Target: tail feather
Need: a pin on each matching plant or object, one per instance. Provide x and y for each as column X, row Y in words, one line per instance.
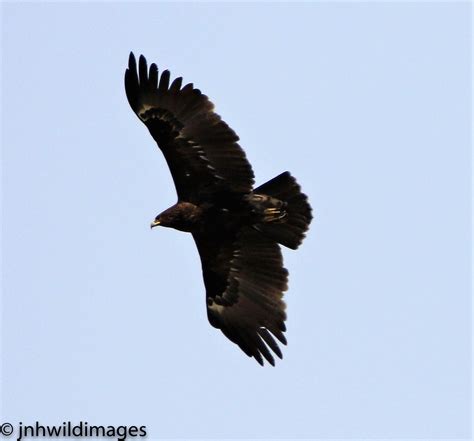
column 291, row 231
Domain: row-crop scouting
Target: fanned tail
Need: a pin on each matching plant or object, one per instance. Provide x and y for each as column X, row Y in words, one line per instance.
column 290, row 231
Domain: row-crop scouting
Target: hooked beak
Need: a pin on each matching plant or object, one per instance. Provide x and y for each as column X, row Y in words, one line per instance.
column 155, row 223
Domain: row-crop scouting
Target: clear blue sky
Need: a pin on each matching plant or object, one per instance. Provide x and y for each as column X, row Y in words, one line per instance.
column 104, row 321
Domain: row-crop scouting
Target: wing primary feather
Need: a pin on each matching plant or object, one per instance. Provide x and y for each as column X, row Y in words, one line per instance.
column 164, row 81
column 131, row 82
column 253, row 344
column 153, row 81
column 246, row 343
column 264, row 350
column 176, row 85
column 187, row 88
column 131, row 88
column 142, row 71
column 270, row 341
column 258, row 357
column 132, row 63
column 279, row 335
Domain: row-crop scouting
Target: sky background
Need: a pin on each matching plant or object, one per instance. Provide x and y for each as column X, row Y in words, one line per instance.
column 367, row 104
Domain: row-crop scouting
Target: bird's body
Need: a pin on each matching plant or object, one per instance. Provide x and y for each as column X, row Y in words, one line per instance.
column 228, row 215
column 237, row 229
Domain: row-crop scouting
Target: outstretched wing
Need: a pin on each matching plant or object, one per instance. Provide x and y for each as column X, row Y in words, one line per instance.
column 201, row 150
column 245, row 280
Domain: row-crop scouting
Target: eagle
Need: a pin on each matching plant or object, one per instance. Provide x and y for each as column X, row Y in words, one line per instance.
column 237, row 229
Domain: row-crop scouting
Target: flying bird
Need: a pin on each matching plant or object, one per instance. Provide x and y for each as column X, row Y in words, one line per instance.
column 237, row 228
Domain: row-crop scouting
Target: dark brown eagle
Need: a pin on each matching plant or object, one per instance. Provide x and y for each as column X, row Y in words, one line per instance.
column 236, row 228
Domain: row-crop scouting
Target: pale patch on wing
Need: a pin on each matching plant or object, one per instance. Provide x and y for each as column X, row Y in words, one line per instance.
column 217, row 308
column 144, row 113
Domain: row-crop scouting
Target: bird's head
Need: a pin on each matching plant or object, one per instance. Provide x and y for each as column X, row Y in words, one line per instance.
column 156, row 222
column 181, row 216
column 165, row 219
